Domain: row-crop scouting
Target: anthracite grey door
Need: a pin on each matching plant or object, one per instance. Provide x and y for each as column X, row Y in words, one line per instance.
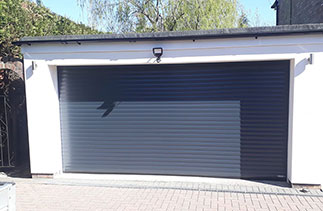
column 221, row 120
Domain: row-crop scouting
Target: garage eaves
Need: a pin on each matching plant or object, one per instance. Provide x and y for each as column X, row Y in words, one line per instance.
column 181, row 35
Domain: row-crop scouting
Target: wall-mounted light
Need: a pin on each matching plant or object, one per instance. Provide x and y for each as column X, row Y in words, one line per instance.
column 311, row 59
column 33, row 65
column 158, row 52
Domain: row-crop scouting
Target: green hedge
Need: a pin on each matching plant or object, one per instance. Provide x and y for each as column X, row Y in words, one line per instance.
column 19, row 18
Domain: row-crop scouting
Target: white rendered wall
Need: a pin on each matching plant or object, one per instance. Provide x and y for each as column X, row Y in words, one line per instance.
column 306, row 108
column 307, row 165
column 43, row 118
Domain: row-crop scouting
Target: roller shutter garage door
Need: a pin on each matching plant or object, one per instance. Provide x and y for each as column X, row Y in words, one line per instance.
column 219, row 120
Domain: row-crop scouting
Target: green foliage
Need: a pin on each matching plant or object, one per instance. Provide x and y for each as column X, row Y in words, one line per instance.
column 20, row 18
column 164, row 15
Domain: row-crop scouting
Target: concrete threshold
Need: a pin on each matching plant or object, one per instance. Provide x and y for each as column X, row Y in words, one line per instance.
column 175, row 183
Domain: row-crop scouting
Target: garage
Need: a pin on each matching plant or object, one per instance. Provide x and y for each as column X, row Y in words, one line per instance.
column 231, row 103
column 208, row 119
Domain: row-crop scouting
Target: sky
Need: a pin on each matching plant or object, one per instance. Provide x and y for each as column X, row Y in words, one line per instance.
column 258, row 11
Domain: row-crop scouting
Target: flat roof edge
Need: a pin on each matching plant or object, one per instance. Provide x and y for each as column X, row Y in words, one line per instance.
column 184, row 35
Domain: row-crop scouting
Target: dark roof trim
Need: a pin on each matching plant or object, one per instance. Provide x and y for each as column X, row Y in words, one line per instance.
column 275, row 5
column 184, row 35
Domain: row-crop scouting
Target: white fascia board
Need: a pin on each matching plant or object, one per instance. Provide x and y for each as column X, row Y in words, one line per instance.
column 95, row 48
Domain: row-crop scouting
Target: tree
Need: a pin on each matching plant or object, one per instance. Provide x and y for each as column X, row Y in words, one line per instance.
column 39, row 2
column 19, row 18
column 164, row 15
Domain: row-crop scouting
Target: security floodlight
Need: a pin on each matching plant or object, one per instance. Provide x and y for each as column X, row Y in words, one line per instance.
column 158, row 52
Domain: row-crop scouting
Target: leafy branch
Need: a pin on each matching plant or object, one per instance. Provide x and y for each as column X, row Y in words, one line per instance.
column 19, row 18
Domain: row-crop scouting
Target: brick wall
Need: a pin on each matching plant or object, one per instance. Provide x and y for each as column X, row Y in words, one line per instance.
column 300, row 12
column 16, row 66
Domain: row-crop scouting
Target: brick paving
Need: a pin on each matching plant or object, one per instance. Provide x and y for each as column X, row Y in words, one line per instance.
column 48, row 195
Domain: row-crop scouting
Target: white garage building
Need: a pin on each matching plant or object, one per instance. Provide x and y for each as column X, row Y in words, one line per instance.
column 233, row 103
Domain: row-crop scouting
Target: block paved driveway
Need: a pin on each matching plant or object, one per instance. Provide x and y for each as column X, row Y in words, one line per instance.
column 46, row 194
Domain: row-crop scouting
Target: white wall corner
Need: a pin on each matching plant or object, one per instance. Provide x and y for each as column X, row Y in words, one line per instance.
column 43, row 117
column 307, row 121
